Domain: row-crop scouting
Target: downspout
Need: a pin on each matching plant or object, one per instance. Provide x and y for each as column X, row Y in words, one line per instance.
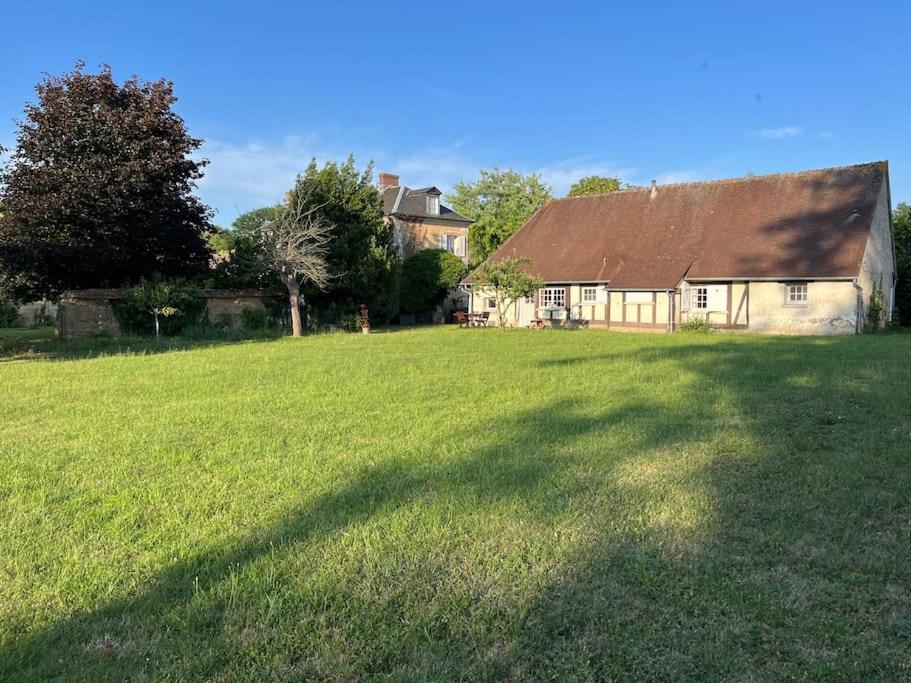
column 470, row 294
column 858, row 316
column 670, row 310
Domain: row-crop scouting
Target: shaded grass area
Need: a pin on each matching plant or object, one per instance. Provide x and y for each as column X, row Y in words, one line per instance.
column 30, row 344
column 443, row 503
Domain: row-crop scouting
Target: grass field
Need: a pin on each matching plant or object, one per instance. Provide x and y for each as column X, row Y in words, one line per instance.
column 443, row 503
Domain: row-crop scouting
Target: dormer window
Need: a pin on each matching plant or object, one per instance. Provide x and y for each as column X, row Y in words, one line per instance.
column 433, row 205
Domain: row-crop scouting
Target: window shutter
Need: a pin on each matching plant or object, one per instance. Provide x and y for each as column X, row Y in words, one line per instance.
column 717, row 298
column 442, row 241
column 460, row 246
column 685, row 297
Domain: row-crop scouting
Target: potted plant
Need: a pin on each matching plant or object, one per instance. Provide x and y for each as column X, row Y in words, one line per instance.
column 365, row 320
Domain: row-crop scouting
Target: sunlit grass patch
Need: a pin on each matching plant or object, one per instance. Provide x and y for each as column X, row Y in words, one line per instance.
column 444, row 504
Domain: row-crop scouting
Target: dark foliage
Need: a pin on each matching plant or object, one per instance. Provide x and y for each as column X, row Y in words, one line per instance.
column 362, row 255
column 426, row 278
column 99, row 189
column 901, row 226
column 9, row 314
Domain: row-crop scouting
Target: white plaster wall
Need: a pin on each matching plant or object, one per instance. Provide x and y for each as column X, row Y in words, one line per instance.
column 878, row 263
column 831, row 309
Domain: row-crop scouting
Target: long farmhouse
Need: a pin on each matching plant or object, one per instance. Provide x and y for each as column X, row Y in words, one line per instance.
column 793, row 253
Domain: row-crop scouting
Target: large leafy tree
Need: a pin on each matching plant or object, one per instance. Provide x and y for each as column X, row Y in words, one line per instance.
column 595, row 184
column 499, row 202
column 237, row 261
column 427, row 277
column 901, row 226
column 99, row 190
column 361, row 254
column 251, row 221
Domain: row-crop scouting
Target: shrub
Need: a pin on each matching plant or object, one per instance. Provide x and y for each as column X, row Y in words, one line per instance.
column 42, row 317
column 254, row 319
column 159, row 306
column 699, row 325
column 9, row 314
column 876, row 311
column 427, row 277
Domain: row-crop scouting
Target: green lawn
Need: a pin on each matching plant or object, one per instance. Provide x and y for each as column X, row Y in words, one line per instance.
column 443, row 503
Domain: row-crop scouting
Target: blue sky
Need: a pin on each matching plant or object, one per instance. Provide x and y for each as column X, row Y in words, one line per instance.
column 435, row 92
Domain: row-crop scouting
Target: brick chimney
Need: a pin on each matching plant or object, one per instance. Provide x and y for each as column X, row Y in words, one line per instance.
column 388, row 180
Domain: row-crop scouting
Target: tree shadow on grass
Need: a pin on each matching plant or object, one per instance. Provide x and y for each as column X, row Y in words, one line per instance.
column 23, row 345
column 170, row 613
column 791, row 564
column 750, row 528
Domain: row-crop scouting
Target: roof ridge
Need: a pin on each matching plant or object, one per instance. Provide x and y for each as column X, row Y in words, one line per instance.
column 739, row 179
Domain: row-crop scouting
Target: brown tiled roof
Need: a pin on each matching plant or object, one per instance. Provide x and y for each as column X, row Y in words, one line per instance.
column 408, row 203
column 791, row 225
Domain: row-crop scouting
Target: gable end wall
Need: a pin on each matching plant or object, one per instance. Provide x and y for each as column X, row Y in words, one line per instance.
column 879, row 256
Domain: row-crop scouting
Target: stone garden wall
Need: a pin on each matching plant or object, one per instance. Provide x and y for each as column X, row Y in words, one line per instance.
column 85, row 312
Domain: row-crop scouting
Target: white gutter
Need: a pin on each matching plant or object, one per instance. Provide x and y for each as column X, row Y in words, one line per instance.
column 470, row 294
column 788, row 278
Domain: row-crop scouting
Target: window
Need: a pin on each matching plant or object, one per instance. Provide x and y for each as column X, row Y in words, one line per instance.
column 700, row 298
column 796, row 294
column 490, row 302
column 589, row 295
column 433, row 205
column 553, row 296
column 639, row 297
column 447, row 242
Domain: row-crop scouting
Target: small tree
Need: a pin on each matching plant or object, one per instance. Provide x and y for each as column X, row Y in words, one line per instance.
column 509, row 282
column 175, row 301
column 295, row 245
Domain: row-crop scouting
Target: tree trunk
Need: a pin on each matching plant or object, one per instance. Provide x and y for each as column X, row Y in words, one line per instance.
column 501, row 314
column 157, row 331
column 294, row 301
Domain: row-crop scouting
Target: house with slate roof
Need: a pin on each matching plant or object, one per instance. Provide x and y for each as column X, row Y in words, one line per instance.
column 421, row 220
column 792, row 253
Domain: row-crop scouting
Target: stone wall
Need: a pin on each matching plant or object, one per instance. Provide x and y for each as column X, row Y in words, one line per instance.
column 33, row 312
column 84, row 312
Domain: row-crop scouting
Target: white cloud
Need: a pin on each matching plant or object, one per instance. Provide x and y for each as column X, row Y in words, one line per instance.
column 826, row 135
column 679, row 176
column 243, row 176
column 780, row 133
column 246, row 175
column 561, row 175
column 441, row 166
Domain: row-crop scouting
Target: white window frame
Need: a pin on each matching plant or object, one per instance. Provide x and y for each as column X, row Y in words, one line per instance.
column 699, row 295
column 433, row 205
column 490, row 303
column 589, row 295
column 796, row 294
column 447, row 242
column 553, row 297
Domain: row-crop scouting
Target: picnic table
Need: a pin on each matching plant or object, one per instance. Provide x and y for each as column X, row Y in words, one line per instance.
column 471, row 319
